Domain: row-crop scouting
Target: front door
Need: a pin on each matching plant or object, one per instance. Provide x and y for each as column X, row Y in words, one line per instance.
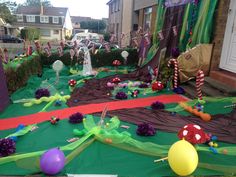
column 228, row 56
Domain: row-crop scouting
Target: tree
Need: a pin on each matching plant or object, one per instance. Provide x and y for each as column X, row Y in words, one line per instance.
column 6, row 9
column 45, row 3
column 94, row 25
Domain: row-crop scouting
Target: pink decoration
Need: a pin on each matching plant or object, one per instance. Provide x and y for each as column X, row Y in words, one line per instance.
column 60, row 51
column 160, row 34
column 175, row 30
column 199, row 83
column 72, row 54
column 47, row 51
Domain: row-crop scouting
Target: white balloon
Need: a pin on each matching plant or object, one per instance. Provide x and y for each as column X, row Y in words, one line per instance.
column 124, row 54
column 57, row 65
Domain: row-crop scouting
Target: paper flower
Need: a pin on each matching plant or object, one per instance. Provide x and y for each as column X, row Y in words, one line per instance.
column 145, row 129
column 157, row 105
column 121, row 96
column 143, row 85
column 7, row 147
column 42, row 92
column 76, row 118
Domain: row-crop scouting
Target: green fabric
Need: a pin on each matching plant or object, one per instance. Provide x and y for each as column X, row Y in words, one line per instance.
column 102, row 158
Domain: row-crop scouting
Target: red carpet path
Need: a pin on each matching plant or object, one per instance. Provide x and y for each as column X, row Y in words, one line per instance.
column 87, row 109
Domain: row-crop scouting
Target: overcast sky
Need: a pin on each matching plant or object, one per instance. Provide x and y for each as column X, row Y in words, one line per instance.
column 88, row 8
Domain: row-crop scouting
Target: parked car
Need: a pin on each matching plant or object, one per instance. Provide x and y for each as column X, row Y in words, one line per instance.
column 11, row 39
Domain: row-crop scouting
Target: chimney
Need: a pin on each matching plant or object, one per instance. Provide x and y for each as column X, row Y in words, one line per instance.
column 41, row 8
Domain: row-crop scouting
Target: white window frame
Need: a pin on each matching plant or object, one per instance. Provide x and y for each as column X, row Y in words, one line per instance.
column 55, row 21
column 30, row 18
column 19, row 18
column 44, row 19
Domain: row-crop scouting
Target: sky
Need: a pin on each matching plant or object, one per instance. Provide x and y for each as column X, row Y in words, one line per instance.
column 96, row 9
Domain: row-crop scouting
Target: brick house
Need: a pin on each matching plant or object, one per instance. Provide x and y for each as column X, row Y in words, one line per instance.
column 126, row 16
column 53, row 22
column 223, row 61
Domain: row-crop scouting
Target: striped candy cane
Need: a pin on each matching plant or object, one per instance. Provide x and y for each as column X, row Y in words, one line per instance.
column 199, row 83
column 175, row 63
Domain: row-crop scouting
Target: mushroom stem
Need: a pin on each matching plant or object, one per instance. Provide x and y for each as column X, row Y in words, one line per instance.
column 160, row 160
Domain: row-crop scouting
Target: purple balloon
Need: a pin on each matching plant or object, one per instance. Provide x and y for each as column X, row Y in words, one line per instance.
column 52, row 161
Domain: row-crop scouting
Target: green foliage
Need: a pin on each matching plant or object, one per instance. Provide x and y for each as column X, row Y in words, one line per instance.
column 94, row 25
column 5, row 11
column 45, row 3
column 17, row 78
column 102, row 58
column 106, row 36
column 30, row 33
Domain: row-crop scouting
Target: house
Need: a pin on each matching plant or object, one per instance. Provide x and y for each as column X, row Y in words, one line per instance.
column 223, row 61
column 6, row 28
column 53, row 22
column 120, row 20
column 127, row 16
column 76, row 20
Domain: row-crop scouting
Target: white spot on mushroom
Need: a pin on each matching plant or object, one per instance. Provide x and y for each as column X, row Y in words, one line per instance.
column 185, row 132
column 197, row 136
column 197, row 127
column 185, row 126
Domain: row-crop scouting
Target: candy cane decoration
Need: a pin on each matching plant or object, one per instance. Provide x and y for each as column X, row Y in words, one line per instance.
column 107, row 47
column 199, row 83
column 29, row 50
column 175, row 63
column 62, row 44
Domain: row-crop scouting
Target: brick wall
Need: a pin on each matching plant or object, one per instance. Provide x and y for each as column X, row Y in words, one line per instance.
column 219, row 31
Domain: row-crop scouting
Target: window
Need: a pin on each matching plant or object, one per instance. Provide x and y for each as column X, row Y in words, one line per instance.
column 55, row 20
column 44, row 19
column 147, row 18
column 45, row 32
column 19, row 18
column 30, row 18
column 55, row 31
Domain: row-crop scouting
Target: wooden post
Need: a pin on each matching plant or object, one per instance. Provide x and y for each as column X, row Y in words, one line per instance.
column 4, row 97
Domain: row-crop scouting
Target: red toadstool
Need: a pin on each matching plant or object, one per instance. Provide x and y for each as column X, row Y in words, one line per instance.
column 192, row 133
column 72, row 82
column 116, row 80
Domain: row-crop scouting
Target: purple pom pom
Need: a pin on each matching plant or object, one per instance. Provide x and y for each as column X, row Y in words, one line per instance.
column 175, row 52
column 76, row 118
column 42, row 92
column 145, row 129
column 157, row 105
column 179, row 90
column 121, row 96
column 7, row 147
column 143, row 85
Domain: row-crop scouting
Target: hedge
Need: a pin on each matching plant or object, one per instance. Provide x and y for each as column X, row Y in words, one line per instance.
column 18, row 77
column 100, row 59
column 18, row 73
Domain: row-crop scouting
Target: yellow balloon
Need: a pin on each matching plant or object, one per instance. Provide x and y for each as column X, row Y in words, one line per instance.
column 183, row 158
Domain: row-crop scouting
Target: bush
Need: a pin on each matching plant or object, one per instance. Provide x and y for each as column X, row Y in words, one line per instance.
column 102, row 58
column 30, row 34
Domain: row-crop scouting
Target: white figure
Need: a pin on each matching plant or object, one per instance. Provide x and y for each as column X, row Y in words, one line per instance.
column 87, row 67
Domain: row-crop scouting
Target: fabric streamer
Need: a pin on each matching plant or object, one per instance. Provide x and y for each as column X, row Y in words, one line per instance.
column 199, row 83
column 60, row 51
column 47, row 51
column 175, row 63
